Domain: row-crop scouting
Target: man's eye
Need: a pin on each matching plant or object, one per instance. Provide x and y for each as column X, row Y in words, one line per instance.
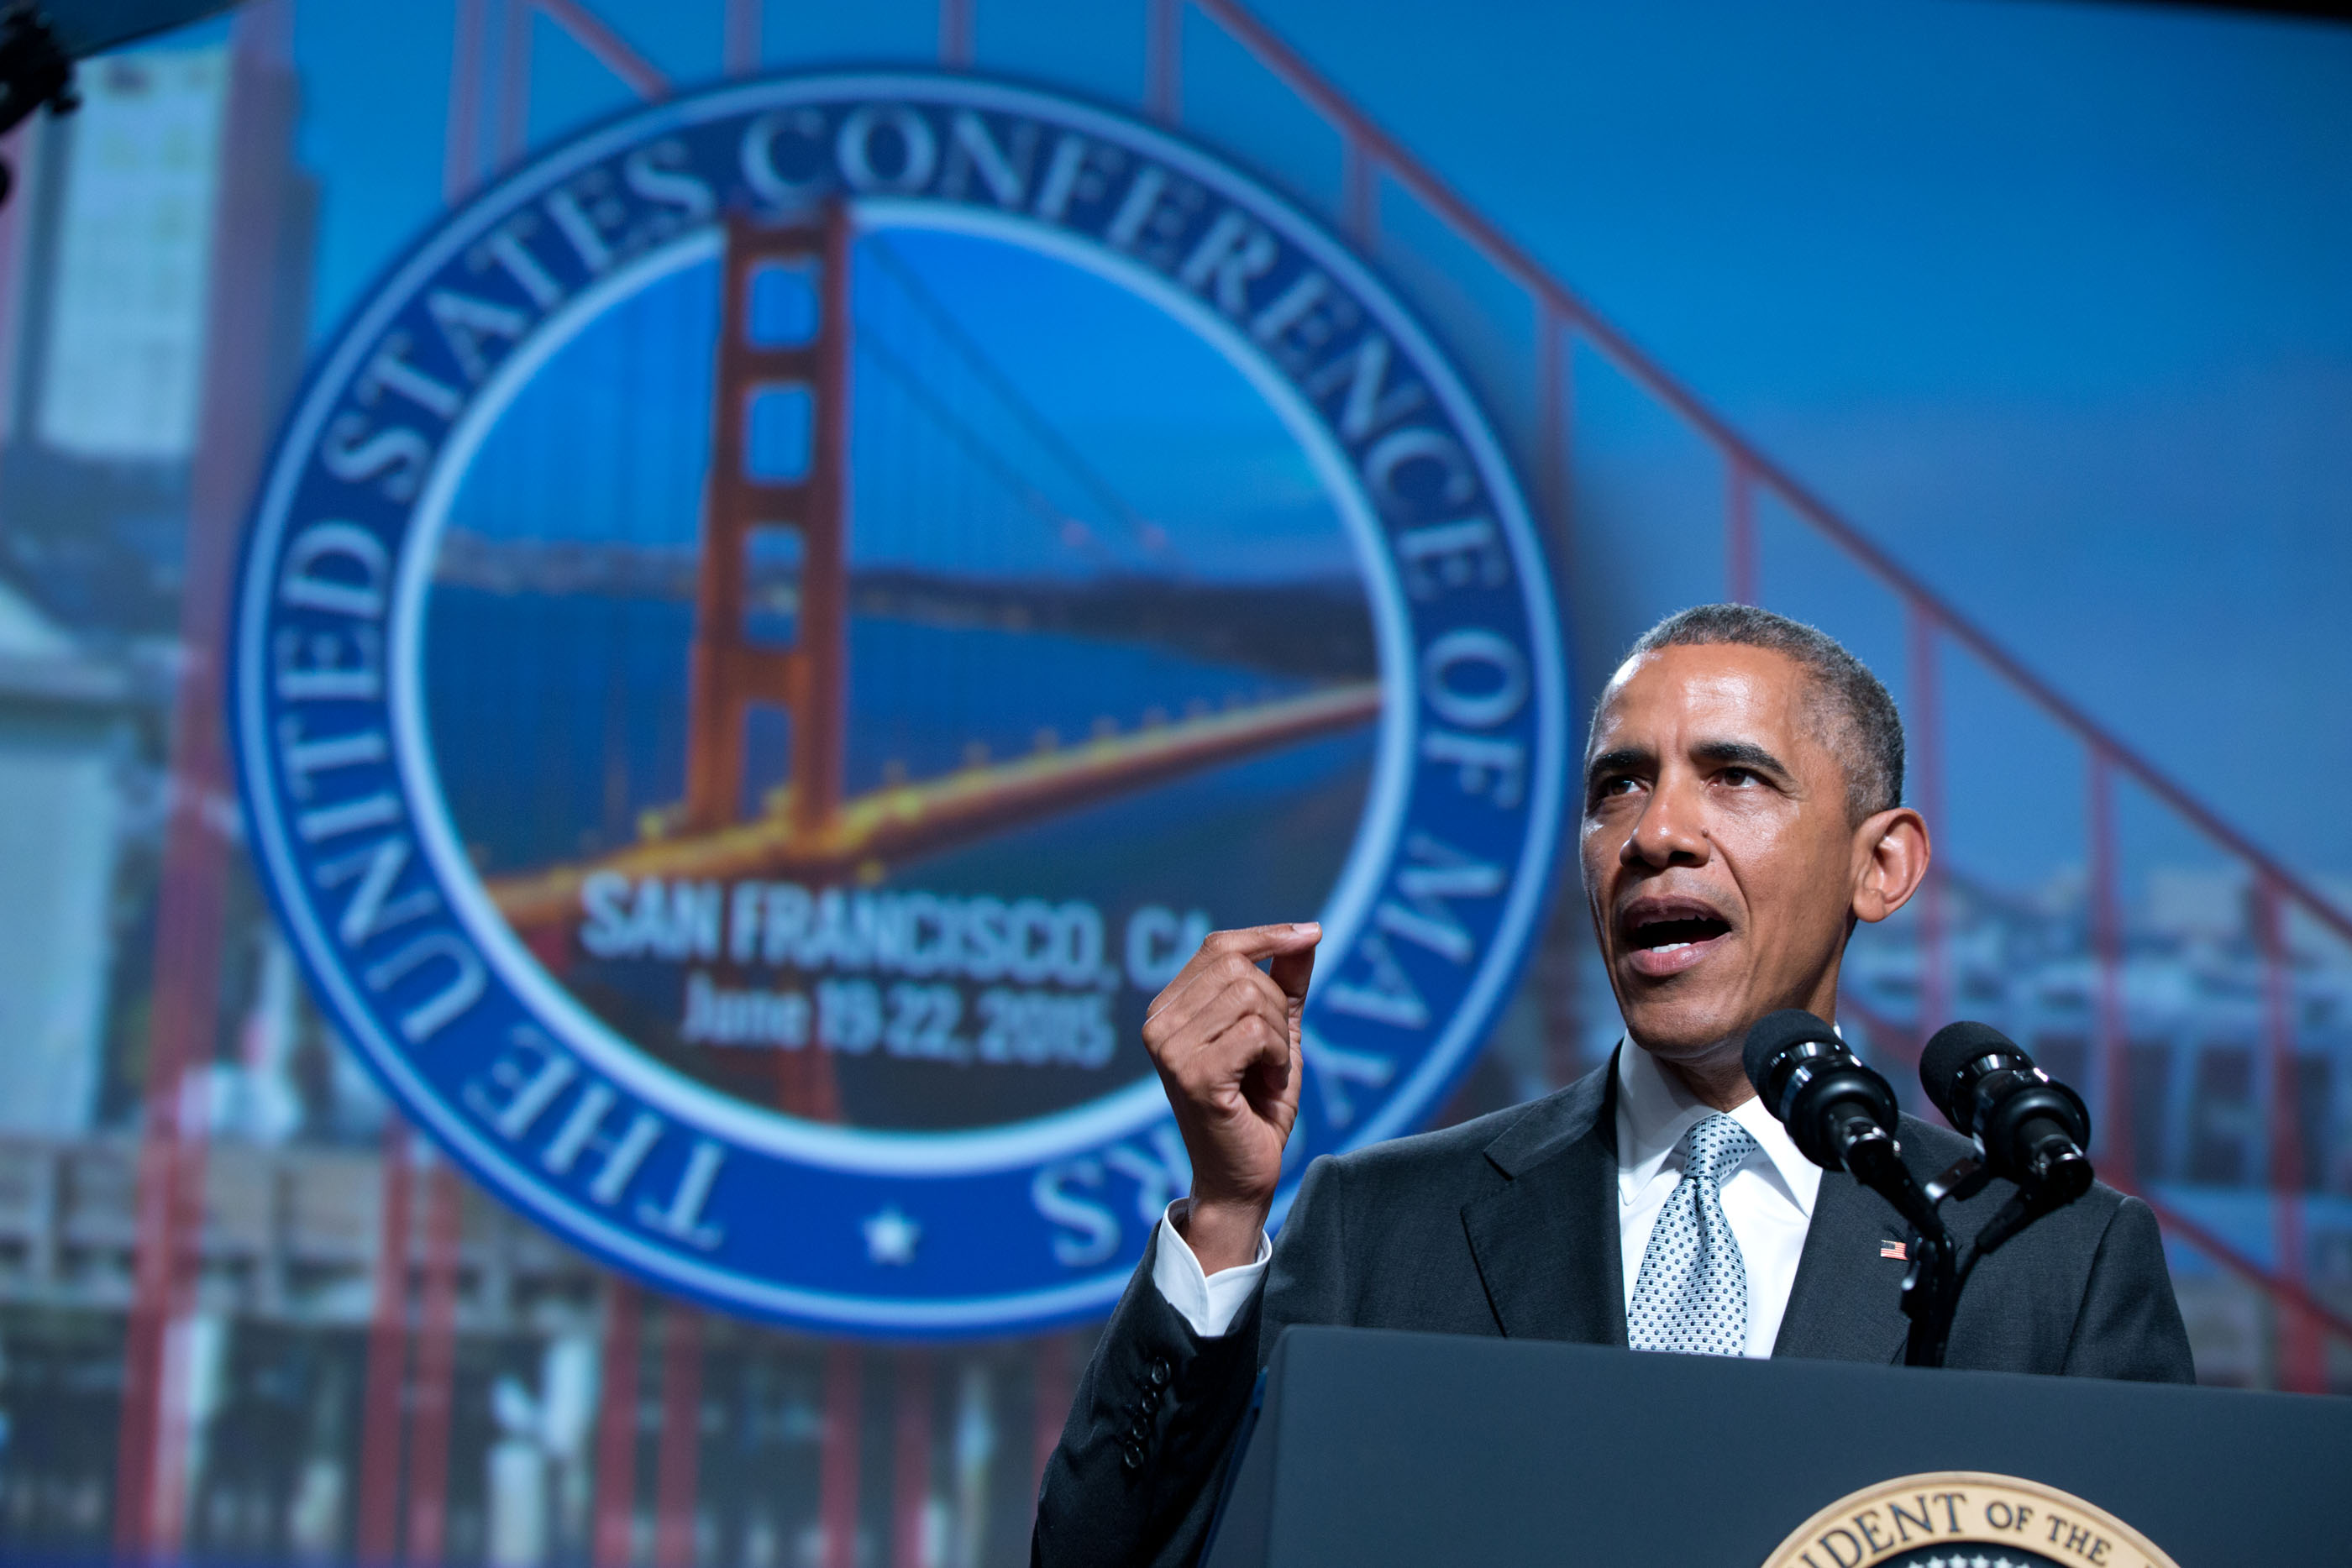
column 1735, row 775
column 1618, row 786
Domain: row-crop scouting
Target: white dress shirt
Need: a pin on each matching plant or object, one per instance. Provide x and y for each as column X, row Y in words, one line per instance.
column 1768, row 1199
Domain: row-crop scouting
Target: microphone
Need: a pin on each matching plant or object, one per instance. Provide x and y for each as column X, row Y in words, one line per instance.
column 1838, row 1112
column 2031, row 1127
column 1844, row 1116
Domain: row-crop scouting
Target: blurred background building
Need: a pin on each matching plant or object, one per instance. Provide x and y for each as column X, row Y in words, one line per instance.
column 2101, row 575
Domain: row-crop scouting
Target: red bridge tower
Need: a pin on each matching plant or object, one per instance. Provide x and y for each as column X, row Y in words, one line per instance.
column 731, row 672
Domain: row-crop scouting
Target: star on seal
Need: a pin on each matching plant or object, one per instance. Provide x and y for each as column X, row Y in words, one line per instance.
column 890, row 1236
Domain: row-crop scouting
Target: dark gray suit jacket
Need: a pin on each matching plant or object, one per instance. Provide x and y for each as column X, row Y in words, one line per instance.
column 1507, row 1226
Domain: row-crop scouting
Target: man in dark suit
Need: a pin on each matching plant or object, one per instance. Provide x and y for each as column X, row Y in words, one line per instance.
column 1741, row 813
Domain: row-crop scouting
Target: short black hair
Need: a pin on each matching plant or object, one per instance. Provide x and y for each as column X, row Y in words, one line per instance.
column 1869, row 730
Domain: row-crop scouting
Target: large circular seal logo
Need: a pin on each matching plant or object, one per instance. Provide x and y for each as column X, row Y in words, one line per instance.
column 1965, row 1519
column 777, row 628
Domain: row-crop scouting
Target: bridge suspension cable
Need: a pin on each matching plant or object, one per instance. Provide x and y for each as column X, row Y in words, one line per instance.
column 872, row 347
column 1147, row 534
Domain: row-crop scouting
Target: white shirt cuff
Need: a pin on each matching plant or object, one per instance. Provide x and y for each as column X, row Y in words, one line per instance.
column 1210, row 1302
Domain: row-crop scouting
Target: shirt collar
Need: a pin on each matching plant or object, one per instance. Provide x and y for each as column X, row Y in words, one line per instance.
column 1653, row 1112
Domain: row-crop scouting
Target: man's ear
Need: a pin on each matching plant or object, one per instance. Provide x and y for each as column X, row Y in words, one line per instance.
column 1890, row 861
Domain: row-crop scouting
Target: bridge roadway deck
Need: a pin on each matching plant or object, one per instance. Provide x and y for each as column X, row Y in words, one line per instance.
column 901, row 820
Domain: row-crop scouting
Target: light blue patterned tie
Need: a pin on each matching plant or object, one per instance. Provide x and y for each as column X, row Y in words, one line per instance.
column 1692, row 1295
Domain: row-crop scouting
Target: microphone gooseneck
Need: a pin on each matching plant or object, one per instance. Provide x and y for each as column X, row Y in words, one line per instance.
column 2031, row 1128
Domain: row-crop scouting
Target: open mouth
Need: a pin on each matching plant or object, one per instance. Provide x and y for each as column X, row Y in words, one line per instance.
column 1665, row 936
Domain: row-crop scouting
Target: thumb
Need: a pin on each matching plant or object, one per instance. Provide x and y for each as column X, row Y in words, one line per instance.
column 1292, row 967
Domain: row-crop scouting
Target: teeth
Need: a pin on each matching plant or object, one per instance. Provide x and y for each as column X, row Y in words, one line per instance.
column 1670, row 947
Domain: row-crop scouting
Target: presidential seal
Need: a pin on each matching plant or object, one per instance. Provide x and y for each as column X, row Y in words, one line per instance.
column 775, row 630
column 1965, row 1519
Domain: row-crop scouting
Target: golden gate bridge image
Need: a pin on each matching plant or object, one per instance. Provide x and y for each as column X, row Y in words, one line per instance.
column 813, row 827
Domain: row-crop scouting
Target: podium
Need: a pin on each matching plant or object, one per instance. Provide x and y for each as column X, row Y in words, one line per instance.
column 1375, row 1449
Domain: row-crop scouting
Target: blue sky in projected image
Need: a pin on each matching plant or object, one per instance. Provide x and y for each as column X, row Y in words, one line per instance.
column 2051, row 299
column 609, row 440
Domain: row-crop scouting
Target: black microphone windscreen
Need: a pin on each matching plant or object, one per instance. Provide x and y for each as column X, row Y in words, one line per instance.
column 1774, row 1034
column 1953, row 1047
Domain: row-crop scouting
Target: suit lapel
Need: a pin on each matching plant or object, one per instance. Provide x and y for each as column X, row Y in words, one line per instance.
column 1846, row 1303
column 1546, row 1242
column 1547, row 1247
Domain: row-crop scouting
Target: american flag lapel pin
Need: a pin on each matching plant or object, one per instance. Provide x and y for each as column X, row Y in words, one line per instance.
column 1895, row 1249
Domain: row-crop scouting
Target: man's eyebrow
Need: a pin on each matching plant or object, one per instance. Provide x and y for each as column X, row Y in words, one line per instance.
column 1741, row 754
column 1619, row 760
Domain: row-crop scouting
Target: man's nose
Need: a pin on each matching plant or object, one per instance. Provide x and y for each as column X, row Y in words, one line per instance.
column 1668, row 832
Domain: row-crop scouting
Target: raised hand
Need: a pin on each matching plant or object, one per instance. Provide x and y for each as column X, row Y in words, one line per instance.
column 1224, row 1035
